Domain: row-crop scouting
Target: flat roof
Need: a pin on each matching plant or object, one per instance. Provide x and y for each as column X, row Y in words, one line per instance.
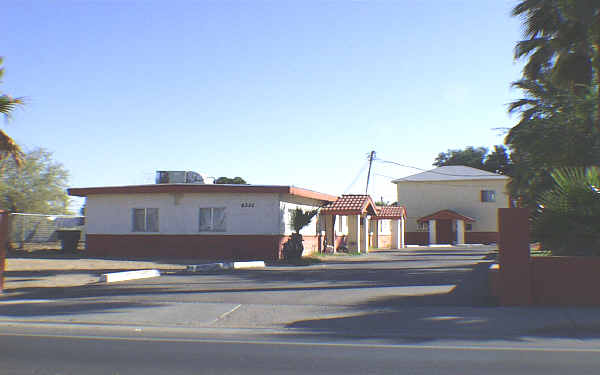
column 452, row 173
column 201, row 188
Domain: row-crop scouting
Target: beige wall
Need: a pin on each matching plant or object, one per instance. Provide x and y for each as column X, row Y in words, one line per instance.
column 424, row 198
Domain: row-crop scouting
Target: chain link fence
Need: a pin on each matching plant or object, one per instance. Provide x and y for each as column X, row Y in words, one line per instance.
column 41, row 232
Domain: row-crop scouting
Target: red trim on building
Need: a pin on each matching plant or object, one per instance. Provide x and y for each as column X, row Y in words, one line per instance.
column 201, row 188
column 206, row 247
column 446, row 215
column 422, row 238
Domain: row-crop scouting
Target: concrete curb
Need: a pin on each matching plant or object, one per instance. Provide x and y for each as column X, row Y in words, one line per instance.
column 128, row 275
column 222, row 266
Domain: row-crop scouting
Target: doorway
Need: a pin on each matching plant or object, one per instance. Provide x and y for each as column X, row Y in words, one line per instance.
column 443, row 230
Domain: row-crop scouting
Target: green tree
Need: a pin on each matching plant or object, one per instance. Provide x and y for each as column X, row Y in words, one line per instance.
column 498, row 161
column 8, row 147
column 293, row 248
column 232, row 181
column 37, row 186
column 470, row 157
column 568, row 215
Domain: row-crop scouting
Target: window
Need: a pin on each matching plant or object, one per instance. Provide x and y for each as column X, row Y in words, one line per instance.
column 212, row 219
column 341, row 223
column 468, row 226
column 145, row 220
column 290, row 213
column 384, row 226
column 423, row 226
column 488, row 196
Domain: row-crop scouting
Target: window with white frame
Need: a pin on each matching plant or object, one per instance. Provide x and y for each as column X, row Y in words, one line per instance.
column 342, row 222
column 423, row 226
column 212, row 219
column 384, row 226
column 145, row 220
column 488, row 195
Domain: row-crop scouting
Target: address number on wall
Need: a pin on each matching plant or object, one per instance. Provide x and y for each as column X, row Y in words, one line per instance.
column 247, row 204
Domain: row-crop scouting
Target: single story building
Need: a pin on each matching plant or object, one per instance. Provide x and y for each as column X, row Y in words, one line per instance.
column 355, row 223
column 453, row 205
column 206, row 221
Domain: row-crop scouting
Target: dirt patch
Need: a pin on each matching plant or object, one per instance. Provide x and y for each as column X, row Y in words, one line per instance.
column 25, row 273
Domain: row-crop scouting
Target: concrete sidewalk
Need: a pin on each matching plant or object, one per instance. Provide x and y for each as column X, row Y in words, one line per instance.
column 422, row 296
column 425, row 323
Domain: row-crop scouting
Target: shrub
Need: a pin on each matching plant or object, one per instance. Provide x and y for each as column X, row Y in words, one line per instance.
column 568, row 218
column 293, row 248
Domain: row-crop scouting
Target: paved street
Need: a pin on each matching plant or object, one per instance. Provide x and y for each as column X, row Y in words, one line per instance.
column 423, row 309
column 86, row 355
column 277, row 297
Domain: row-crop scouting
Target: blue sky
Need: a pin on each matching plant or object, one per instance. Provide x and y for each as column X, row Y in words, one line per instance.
column 277, row 92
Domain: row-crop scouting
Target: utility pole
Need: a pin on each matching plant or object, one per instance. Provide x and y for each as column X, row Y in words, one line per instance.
column 371, row 157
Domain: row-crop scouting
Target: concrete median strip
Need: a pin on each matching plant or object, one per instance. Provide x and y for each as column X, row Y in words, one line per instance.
column 128, row 275
column 222, row 266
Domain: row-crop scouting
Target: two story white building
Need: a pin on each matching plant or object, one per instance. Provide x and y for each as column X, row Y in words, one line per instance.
column 452, row 205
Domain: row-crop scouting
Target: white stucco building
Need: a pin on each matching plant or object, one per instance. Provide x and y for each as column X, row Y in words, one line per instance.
column 196, row 220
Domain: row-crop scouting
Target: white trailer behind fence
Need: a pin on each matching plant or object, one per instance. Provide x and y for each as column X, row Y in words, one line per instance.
column 26, row 229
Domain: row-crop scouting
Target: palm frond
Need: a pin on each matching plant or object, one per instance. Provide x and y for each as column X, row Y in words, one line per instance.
column 8, row 148
column 9, row 104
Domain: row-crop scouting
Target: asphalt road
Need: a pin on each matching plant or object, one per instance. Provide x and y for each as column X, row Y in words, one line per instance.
column 374, row 288
column 396, row 312
column 111, row 355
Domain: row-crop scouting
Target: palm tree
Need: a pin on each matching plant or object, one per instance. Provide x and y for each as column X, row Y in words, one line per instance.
column 8, row 147
column 568, row 216
column 562, row 43
column 555, row 129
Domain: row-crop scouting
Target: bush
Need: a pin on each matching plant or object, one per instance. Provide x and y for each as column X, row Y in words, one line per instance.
column 293, row 248
column 568, row 218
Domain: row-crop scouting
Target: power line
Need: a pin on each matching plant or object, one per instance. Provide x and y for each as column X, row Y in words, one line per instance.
column 424, row 170
column 357, row 176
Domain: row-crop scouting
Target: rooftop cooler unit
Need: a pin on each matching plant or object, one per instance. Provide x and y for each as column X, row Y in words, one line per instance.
column 182, row 177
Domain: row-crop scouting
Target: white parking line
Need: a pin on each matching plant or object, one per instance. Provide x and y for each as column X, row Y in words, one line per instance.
column 225, row 314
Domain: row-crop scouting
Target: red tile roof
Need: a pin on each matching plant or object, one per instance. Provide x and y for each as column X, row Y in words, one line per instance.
column 446, row 215
column 351, row 204
column 391, row 212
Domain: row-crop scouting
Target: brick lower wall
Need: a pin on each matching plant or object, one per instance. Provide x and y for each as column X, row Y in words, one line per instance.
column 416, row 238
column 311, row 244
column 422, row 238
column 208, row 247
column 565, row 280
column 481, row 237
